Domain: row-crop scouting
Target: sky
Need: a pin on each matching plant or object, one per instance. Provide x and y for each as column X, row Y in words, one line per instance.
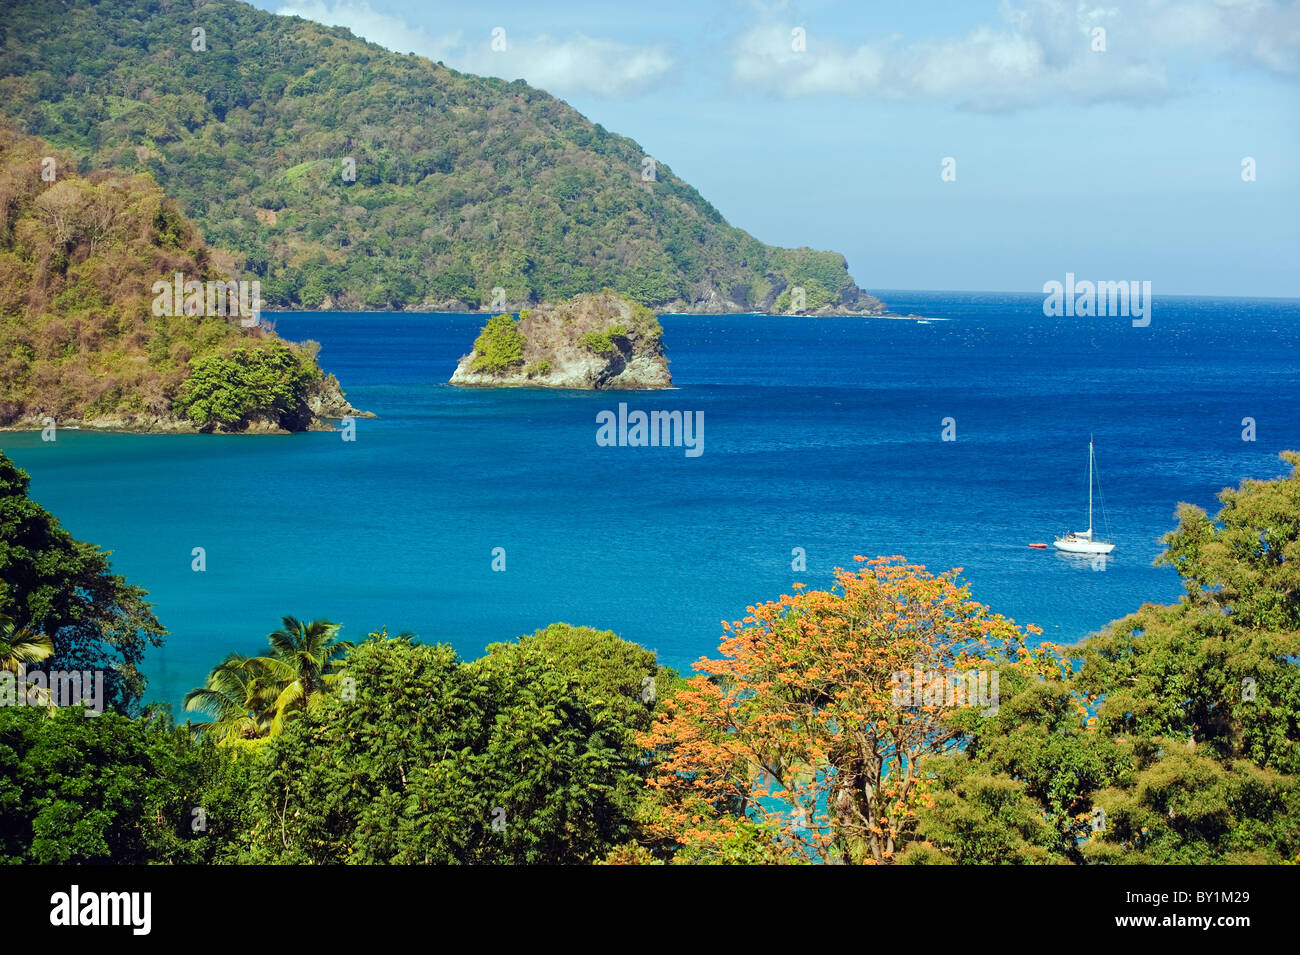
column 965, row 145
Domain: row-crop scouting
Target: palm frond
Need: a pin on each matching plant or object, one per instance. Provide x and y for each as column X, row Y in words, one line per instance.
column 21, row 645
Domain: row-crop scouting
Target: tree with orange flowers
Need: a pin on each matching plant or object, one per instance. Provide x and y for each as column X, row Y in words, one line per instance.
column 806, row 741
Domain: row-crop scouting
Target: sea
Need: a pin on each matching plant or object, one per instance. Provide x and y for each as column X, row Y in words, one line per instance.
column 471, row 517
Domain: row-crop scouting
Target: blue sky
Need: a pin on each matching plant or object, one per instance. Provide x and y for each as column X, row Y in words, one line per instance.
column 1122, row 163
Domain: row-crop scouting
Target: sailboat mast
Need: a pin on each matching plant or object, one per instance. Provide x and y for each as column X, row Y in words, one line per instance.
column 1090, row 487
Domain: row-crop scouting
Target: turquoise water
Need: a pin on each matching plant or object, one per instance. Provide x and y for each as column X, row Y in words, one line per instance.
column 823, row 434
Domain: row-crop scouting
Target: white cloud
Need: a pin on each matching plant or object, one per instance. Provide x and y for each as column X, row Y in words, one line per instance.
column 1040, row 52
column 563, row 66
column 580, row 63
column 369, row 24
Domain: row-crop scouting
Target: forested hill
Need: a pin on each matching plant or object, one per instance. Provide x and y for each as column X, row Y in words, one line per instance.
column 463, row 184
column 87, row 338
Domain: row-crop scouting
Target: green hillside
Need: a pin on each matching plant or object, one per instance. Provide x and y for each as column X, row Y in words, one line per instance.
column 462, row 184
column 84, row 338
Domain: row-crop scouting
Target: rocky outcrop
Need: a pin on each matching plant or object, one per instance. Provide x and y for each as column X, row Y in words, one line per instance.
column 851, row 301
column 595, row 341
column 327, row 400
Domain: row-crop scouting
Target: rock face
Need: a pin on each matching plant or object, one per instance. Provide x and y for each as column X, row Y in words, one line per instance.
column 594, row 341
column 849, row 302
column 329, row 401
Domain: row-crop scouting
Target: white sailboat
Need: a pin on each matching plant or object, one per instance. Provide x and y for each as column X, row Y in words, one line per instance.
column 1081, row 542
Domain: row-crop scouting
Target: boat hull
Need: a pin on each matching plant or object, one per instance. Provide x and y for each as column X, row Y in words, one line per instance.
column 1083, row 547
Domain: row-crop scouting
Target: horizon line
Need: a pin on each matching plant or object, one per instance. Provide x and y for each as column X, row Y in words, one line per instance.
column 973, row 291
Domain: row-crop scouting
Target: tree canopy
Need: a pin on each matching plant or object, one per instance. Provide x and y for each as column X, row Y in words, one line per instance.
column 108, row 789
column 799, row 728
column 524, row 755
column 54, row 585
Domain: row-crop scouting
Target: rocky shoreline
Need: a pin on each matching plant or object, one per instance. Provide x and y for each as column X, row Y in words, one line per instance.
column 853, row 303
column 327, row 403
column 457, row 307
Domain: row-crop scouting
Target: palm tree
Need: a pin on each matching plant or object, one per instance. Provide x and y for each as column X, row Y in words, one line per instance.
column 231, row 698
column 251, row 697
column 19, row 646
column 304, row 662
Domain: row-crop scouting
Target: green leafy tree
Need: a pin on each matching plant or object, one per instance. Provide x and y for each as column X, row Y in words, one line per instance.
column 1021, row 787
column 628, row 676
column 234, row 699
column 1219, row 668
column 1185, row 807
column 514, row 758
column 55, row 585
column 230, row 391
column 602, row 342
column 1244, row 563
column 108, row 789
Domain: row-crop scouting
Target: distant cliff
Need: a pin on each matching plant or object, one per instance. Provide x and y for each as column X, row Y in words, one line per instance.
column 594, row 341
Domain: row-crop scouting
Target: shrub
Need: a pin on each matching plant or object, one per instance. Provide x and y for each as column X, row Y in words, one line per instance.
column 229, row 391
column 600, row 343
column 499, row 346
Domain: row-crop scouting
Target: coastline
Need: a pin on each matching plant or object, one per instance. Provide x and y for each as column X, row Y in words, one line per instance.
column 888, row 316
column 326, row 403
column 514, row 307
column 120, row 428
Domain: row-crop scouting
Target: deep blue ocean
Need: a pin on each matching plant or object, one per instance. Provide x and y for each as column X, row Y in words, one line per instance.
column 821, row 434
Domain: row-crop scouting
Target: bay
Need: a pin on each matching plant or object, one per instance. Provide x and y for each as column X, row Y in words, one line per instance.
column 820, row 434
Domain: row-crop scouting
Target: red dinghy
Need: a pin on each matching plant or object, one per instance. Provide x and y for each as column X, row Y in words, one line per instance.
column 1039, row 546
